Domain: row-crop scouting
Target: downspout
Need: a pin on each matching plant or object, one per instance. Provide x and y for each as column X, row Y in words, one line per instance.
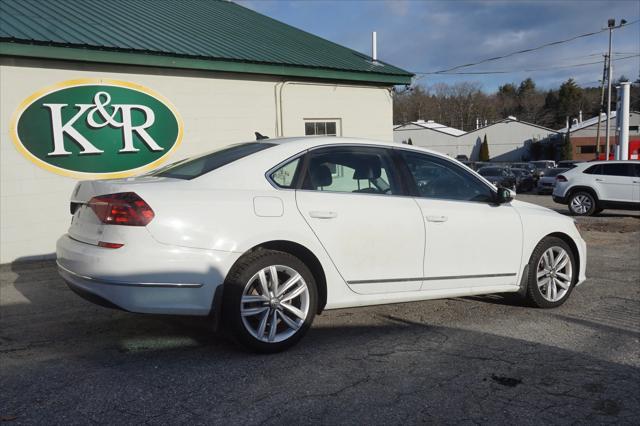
column 278, row 110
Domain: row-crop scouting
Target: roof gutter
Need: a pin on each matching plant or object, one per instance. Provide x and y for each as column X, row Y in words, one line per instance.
column 163, row 61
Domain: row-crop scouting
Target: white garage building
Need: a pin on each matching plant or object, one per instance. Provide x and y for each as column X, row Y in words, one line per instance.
column 508, row 139
column 98, row 89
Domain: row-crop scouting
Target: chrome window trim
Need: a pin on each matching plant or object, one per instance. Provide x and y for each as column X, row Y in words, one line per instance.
column 398, row 148
column 331, row 145
column 64, row 270
column 449, row 277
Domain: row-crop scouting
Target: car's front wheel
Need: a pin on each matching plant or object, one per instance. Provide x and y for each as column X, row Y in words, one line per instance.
column 270, row 300
column 582, row 203
column 552, row 269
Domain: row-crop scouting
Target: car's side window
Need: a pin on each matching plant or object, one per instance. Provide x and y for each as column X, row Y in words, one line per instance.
column 594, row 170
column 439, row 178
column 616, row 169
column 351, row 169
column 284, row 176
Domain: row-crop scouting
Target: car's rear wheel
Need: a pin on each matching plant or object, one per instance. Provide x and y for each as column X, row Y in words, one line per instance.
column 582, row 203
column 270, row 300
column 552, row 272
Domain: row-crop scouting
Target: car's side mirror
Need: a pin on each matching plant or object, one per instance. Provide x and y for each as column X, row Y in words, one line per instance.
column 504, row 195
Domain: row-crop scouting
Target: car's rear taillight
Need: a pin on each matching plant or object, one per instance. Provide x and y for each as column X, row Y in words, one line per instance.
column 561, row 178
column 109, row 245
column 124, row 208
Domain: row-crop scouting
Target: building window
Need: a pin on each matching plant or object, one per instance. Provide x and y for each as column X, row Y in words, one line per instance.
column 634, row 128
column 321, row 128
column 587, row 149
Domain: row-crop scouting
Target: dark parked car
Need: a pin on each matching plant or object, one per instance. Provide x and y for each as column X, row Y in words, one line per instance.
column 524, row 180
column 547, row 182
column 527, row 166
column 499, row 176
column 541, row 166
column 569, row 164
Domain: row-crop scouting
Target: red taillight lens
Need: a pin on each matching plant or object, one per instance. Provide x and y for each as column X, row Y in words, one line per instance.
column 125, row 208
column 109, row 245
column 561, row 178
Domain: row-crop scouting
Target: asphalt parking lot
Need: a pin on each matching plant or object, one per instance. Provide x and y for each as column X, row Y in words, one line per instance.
column 464, row 361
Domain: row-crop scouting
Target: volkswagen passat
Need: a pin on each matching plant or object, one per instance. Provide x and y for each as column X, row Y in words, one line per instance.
column 265, row 235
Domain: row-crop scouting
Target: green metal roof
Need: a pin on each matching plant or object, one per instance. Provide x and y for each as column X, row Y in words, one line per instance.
column 201, row 34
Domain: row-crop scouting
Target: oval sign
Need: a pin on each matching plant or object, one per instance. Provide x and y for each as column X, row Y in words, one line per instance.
column 96, row 128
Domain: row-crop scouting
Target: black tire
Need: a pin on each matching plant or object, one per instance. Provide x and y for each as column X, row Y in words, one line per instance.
column 234, row 286
column 582, row 198
column 534, row 293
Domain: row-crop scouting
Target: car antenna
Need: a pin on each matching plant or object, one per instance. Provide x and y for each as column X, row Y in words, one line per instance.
column 260, row 136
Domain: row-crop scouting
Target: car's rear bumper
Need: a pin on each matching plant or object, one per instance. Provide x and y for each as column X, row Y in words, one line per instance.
column 544, row 189
column 560, row 200
column 146, row 278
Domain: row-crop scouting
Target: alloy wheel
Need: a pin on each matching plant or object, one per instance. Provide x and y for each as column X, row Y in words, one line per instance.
column 554, row 274
column 581, row 203
column 275, row 303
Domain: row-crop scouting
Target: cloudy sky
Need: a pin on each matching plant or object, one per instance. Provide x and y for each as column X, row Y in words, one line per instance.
column 427, row 36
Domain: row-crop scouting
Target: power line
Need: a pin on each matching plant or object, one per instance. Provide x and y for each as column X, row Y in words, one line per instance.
column 518, row 52
column 534, row 69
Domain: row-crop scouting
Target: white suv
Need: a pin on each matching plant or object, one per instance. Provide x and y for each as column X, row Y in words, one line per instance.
column 592, row 187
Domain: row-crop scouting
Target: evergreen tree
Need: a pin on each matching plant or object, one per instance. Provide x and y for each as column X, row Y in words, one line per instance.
column 484, row 150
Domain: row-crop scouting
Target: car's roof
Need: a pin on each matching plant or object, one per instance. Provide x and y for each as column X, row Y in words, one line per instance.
column 323, row 140
column 593, row 163
column 308, row 142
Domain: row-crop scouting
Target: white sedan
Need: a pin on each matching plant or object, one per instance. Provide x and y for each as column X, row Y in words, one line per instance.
column 264, row 235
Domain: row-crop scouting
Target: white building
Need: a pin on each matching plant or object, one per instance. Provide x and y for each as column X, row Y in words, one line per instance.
column 90, row 92
column 508, row 139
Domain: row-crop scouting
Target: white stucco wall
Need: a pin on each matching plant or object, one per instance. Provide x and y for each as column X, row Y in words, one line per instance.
column 217, row 109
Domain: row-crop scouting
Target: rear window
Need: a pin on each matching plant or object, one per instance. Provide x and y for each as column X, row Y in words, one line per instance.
column 554, row 172
column 198, row 166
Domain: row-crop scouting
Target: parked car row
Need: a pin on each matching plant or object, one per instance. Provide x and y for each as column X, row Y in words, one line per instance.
column 586, row 188
column 522, row 176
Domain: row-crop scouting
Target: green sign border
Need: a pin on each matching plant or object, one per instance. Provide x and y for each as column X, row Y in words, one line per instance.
column 88, row 82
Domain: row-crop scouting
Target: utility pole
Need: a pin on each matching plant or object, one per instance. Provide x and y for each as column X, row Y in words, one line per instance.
column 611, row 24
column 604, row 74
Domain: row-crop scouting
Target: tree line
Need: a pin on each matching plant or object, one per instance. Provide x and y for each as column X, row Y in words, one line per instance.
column 464, row 105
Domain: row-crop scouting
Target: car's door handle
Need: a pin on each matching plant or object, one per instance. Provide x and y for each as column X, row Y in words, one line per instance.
column 636, row 181
column 437, row 218
column 323, row 214
column 599, row 180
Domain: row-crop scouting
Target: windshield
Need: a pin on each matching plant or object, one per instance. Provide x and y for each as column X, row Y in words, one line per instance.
column 193, row 167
